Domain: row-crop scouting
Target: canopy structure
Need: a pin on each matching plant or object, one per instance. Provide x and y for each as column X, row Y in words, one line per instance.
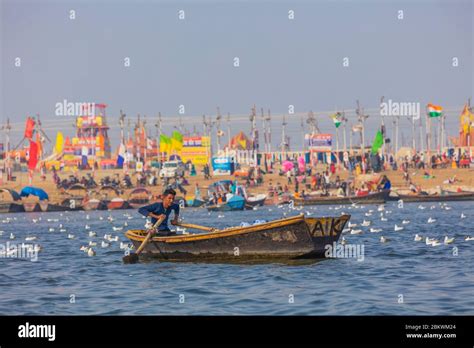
column 30, row 190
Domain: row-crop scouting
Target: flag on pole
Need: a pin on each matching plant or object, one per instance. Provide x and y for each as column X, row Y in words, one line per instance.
column 121, row 156
column 165, row 143
column 336, row 119
column 378, row 142
column 58, row 148
column 33, row 155
column 29, row 128
column 149, row 144
column 434, row 110
column 176, row 141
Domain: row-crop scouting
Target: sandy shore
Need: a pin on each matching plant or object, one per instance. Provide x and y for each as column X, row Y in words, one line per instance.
column 465, row 177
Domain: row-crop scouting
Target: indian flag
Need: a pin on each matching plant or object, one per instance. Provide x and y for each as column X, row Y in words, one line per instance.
column 336, row 120
column 434, row 110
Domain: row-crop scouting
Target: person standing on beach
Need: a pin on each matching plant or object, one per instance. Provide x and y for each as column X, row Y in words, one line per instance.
column 163, row 209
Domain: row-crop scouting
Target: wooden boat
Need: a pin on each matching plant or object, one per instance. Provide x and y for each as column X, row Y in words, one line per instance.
column 50, row 207
column 14, row 206
column 255, row 201
column 10, row 207
column 93, row 204
column 195, row 203
column 139, row 197
column 372, row 198
column 31, row 207
column 117, row 203
column 446, row 197
column 296, row 237
column 72, row 203
column 233, row 204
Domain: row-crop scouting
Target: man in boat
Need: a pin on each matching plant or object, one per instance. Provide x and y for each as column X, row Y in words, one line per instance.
column 163, row 209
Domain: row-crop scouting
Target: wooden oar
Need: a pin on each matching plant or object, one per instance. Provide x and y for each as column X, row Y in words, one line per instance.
column 197, row 227
column 133, row 258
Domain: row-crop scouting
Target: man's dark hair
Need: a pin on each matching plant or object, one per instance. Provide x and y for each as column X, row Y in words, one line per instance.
column 169, row 191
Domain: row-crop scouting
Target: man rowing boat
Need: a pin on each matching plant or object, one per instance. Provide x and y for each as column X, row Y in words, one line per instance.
column 163, row 209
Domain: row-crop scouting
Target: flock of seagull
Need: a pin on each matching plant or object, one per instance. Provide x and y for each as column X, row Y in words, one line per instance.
column 108, row 240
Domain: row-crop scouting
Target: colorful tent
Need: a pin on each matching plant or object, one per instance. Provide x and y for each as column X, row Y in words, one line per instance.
column 241, row 142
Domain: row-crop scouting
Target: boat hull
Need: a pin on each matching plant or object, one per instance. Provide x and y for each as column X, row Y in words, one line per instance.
column 292, row 238
column 465, row 196
column 32, row 207
column 373, row 198
column 11, row 208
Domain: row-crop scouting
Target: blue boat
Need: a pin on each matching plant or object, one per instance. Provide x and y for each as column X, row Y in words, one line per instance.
column 233, row 203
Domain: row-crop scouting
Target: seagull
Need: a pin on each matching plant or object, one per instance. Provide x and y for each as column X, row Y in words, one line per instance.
column 421, row 207
column 356, row 231
column 431, row 220
column 448, row 240
column 12, row 236
column 83, row 248
column 368, row 214
column 346, row 230
column 87, row 227
column 107, row 236
column 91, row 243
column 70, row 236
column 463, row 216
column 101, row 218
column 104, row 244
column 51, row 229
column 433, row 207
column 91, row 252
column 383, row 239
column 375, row 230
column 31, row 238
column 62, row 230
column 350, row 225
column 87, row 217
column 397, row 228
column 429, row 241
column 418, row 238
column 435, row 243
column 383, row 219
column 35, row 221
column 114, row 239
column 405, row 222
column 468, row 238
column 117, row 228
column 220, row 216
column 125, row 224
column 343, row 241
column 365, row 223
column 124, row 245
column 381, row 208
column 92, row 234
column 448, row 208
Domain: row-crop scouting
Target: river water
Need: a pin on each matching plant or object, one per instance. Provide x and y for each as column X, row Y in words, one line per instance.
column 398, row 277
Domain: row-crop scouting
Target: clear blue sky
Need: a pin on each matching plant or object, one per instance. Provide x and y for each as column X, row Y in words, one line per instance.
column 190, row 61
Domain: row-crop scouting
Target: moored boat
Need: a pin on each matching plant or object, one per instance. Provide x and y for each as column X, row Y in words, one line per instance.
column 31, row 207
column 93, row 204
column 232, row 203
column 371, row 198
column 12, row 206
column 139, row 197
column 295, row 237
column 255, row 201
column 444, row 197
column 117, row 203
